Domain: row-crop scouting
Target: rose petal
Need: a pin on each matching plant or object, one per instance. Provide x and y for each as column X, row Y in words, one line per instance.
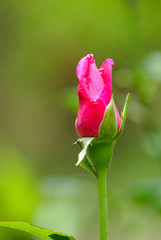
column 89, row 117
column 95, row 83
column 91, row 83
column 106, row 74
column 83, row 65
column 119, row 120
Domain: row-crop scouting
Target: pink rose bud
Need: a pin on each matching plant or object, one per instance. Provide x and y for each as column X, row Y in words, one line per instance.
column 95, row 93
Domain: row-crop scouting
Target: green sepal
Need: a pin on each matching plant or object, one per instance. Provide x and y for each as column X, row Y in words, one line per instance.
column 87, row 165
column 83, row 160
column 43, row 233
column 108, row 126
column 99, row 152
column 83, row 142
column 123, row 117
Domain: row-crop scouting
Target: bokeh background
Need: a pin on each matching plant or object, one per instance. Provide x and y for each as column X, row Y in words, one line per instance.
column 41, row 43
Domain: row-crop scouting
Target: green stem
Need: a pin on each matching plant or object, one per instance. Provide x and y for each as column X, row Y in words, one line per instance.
column 102, row 197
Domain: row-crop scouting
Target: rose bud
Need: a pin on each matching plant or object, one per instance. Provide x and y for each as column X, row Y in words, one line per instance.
column 97, row 115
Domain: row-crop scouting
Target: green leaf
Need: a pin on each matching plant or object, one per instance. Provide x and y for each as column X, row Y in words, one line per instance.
column 108, row 126
column 83, row 142
column 43, row 233
column 61, row 237
column 123, row 116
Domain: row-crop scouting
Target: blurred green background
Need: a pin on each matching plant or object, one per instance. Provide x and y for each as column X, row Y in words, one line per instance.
column 41, row 43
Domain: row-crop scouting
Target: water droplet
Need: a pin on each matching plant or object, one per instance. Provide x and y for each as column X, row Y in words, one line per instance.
column 97, row 79
column 98, row 88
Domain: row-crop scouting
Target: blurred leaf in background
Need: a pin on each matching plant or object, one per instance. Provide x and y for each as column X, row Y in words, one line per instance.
column 17, row 187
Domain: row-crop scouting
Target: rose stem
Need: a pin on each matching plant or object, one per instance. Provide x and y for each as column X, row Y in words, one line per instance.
column 102, row 197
